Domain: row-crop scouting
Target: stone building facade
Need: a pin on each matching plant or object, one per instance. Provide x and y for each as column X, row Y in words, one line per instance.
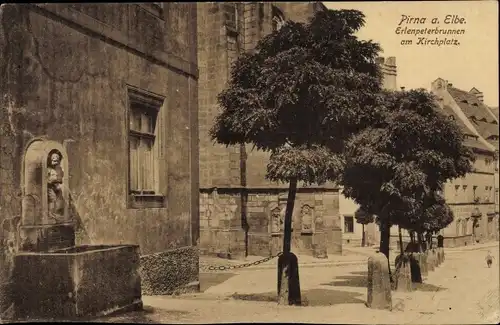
column 472, row 198
column 117, row 84
column 240, row 212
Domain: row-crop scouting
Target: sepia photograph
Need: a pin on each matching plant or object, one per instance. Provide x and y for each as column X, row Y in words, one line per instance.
column 250, row 162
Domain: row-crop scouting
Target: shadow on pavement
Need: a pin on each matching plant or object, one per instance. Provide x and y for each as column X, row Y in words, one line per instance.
column 148, row 315
column 357, row 279
column 312, row 297
column 426, row 287
column 208, row 280
column 348, row 281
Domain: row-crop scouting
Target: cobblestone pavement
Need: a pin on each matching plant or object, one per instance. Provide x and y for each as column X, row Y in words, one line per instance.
column 463, row 290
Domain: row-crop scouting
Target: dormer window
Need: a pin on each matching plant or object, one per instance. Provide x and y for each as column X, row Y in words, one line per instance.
column 278, row 19
column 465, row 101
column 475, row 104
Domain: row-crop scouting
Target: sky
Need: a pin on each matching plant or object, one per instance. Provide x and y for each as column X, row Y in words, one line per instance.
column 472, row 63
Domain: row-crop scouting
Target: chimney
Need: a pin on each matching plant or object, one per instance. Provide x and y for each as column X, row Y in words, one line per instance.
column 389, row 72
column 479, row 95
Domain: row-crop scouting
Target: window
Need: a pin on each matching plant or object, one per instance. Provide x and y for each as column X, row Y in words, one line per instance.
column 144, row 149
column 348, row 224
column 278, row 19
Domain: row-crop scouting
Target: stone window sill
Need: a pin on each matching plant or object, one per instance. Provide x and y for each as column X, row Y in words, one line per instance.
column 146, row 201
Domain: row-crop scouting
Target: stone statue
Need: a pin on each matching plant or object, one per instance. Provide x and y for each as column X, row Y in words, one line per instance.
column 55, row 175
column 276, row 220
column 307, row 218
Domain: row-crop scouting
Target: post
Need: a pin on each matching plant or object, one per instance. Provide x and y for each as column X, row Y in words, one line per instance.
column 379, row 284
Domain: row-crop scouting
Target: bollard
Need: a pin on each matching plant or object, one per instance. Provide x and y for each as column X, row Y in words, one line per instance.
column 430, row 261
column 439, row 255
column 288, row 273
column 435, row 257
column 422, row 258
column 379, row 283
column 403, row 274
column 415, row 270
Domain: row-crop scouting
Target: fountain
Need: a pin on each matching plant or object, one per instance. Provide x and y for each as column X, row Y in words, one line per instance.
column 54, row 278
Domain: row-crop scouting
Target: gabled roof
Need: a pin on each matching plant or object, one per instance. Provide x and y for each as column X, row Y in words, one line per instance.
column 471, row 140
column 478, row 114
column 448, row 111
column 494, row 110
column 470, row 105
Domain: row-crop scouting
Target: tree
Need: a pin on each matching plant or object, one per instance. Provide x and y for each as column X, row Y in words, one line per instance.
column 393, row 167
column 432, row 215
column 363, row 218
column 304, row 90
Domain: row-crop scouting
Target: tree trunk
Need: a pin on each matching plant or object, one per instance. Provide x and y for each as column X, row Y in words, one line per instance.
column 288, row 267
column 287, row 237
column 363, row 237
column 400, row 240
column 429, row 240
column 385, row 235
column 420, row 242
column 412, row 237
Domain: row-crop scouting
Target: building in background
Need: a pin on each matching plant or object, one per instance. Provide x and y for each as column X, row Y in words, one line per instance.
column 120, row 81
column 240, row 211
column 472, row 198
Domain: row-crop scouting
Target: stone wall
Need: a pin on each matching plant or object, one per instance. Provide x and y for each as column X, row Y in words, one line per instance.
column 236, row 223
column 65, row 74
column 172, row 271
column 236, row 200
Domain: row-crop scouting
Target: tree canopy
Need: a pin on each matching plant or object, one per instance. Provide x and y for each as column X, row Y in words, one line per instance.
column 304, row 90
column 364, row 218
column 395, row 168
column 431, row 215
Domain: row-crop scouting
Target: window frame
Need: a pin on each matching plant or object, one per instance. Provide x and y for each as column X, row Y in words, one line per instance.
column 150, row 103
column 352, row 223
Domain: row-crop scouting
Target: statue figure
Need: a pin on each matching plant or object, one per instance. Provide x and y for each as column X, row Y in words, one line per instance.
column 307, row 218
column 54, row 186
column 276, row 220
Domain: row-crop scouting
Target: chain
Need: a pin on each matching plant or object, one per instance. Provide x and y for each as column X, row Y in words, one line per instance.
column 238, row 266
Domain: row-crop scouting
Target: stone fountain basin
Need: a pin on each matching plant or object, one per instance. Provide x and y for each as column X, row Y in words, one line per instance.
column 77, row 282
